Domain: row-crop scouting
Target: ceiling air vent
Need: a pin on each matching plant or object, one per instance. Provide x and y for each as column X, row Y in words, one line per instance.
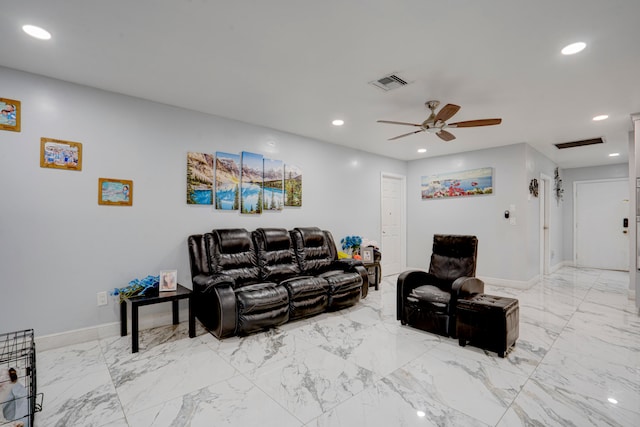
column 579, row 143
column 389, row 82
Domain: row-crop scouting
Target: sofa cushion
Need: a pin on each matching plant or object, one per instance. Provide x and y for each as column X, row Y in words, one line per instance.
column 234, row 256
column 307, row 296
column 345, row 288
column 432, row 296
column 276, row 257
column 312, row 250
column 260, row 306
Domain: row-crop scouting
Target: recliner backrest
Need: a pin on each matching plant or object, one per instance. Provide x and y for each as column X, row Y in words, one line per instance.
column 233, row 254
column 276, row 257
column 198, row 260
column 453, row 256
column 312, row 249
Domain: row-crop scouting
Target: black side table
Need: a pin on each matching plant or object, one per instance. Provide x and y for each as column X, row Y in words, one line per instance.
column 136, row 301
column 377, row 272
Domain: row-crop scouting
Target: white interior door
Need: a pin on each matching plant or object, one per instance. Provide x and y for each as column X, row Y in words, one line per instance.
column 601, row 240
column 392, row 224
column 544, row 193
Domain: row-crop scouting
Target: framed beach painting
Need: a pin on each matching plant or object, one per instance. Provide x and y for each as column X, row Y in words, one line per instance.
column 227, row 191
column 251, row 183
column 474, row 182
column 117, row 192
column 272, row 188
column 292, row 185
column 59, row 154
column 199, row 179
column 10, row 112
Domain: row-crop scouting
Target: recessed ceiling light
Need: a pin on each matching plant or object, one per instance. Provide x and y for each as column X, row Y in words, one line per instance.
column 612, row 400
column 421, row 414
column 37, row 32
column 422, row 150
column 573, row 48
column 600, row 117
column 337, row 122
column 614, row 154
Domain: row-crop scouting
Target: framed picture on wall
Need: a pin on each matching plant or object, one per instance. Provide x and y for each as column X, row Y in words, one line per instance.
column 367, row 254
column 118, row 192
column 59, row 154
column 10, row 114
column 168, row 280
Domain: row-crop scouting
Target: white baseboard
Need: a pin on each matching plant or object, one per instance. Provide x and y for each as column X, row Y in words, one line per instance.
column 106, row 330
column 507, row 283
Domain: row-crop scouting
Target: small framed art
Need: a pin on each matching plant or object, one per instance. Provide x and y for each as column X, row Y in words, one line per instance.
column 10, row 114
column 168, row 280
column 58, row 154
column 118, row 192
column 367, row 254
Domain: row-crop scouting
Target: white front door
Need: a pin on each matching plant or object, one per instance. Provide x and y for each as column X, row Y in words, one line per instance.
column 392, row 223
column 601, row 239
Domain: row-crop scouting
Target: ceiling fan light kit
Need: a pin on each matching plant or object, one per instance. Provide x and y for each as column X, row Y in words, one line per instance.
column 437, row 123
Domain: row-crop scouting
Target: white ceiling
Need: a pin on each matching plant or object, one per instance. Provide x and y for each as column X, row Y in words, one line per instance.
column 295, row 65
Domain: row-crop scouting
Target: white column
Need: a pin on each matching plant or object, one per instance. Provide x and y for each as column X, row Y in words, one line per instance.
column 634, row 183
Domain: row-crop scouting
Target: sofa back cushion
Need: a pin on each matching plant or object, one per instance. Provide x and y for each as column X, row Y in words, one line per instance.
column 276, row 257
column 232, row 253
column 312, row 249
column 198, row 260
column 453, row 256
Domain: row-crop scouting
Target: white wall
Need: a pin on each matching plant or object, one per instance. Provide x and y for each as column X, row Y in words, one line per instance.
column 500, row 251
column 58, row 247
column 569, row 176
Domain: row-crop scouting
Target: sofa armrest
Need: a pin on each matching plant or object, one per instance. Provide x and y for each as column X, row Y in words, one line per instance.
column 464, row 286
column 408, row 281
column 215, row 304
column 353, row 265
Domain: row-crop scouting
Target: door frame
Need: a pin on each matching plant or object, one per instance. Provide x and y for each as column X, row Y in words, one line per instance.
column 575, row 219
column 403, row 215
column 545, row 224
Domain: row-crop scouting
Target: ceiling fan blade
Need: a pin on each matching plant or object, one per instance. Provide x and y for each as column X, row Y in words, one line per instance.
column 447, row 112
column 473, row 123
column 406, row 134
column 399, row 123
column 446, row 136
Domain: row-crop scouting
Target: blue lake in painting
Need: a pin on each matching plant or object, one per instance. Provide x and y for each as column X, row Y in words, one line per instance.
column 273, row 194
column 225, row 199
column 201, row 197
column 250, row 194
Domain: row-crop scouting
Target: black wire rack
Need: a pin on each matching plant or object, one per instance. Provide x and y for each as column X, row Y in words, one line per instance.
column 18, row 352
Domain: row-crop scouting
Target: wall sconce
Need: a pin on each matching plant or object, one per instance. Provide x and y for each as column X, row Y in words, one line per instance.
column 533, row 187
column 557, row 188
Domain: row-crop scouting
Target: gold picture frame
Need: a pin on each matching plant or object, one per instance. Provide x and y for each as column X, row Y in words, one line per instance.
column 115, row 192
column 10, row 111
column 59, row 154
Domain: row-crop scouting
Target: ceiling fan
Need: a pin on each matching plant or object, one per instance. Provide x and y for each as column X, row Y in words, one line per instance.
column 436, row 123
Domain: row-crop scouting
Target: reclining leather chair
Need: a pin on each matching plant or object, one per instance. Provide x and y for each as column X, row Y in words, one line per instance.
column 427, row 301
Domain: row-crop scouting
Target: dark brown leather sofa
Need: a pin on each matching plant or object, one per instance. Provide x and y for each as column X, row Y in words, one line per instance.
column 244, row 282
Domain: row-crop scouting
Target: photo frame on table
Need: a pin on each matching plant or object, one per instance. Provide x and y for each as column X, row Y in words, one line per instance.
column 116, row 192
column 168, row 280
column 10, row 112
column 59, row 154
column 367, row 254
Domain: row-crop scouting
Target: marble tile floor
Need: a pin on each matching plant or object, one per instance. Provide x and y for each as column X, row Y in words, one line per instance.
column 579, row 348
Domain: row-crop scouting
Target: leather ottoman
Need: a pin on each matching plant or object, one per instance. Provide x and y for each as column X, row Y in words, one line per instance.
column 489, row 322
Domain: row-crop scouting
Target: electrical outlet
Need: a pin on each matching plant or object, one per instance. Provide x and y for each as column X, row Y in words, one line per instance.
column 102, row 298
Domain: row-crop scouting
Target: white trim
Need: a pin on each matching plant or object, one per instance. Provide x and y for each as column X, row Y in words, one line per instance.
column 106, row 330
column 508, row 283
